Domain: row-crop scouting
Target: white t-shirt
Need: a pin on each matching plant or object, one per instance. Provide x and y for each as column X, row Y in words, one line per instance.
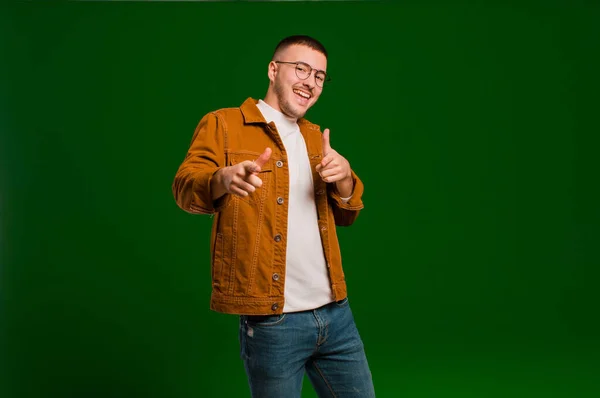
column 306, row 284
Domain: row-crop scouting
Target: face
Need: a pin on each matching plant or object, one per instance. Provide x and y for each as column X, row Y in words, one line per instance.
column 287, row 92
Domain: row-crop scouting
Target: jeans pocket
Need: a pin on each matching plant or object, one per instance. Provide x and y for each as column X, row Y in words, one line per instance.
column 342, row 303
column 264, row 320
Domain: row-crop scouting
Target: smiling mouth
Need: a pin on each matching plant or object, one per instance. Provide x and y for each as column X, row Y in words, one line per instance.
column 302, row 94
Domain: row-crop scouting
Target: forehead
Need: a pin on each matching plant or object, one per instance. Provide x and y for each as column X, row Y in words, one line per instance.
column 306, row 54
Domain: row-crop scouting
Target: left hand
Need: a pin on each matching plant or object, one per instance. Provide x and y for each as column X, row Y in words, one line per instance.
column 334, row 167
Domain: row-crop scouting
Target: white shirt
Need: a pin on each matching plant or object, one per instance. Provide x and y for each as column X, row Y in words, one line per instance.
column 306, row 283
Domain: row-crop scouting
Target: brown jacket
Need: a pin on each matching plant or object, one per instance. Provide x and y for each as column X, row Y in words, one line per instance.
column 248, row 239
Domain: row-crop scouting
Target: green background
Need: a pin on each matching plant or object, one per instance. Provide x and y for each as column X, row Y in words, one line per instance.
column 472, row 271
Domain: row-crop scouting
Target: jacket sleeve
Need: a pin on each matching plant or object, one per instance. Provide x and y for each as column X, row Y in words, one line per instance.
column 346, row 213
column 206, row 155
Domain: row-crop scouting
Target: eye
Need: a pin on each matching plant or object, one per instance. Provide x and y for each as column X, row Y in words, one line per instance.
column 320, row 77
column 302, row 68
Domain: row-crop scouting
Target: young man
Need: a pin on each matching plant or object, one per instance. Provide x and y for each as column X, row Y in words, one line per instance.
column 277, row 191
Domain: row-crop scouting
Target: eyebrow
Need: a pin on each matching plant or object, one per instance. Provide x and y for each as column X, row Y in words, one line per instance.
column 306, row 63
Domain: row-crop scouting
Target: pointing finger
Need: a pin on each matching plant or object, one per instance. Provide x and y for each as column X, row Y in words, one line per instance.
column 326, row 160
column 251, row 167
column 263, row 158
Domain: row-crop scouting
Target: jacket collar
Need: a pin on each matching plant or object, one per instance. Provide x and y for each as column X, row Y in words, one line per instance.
column 252, row 114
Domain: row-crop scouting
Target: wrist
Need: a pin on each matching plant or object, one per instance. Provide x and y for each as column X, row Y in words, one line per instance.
column 345, row 186
column 217, row 187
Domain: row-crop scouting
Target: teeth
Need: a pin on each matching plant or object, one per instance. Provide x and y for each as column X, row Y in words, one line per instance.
column 302, row 93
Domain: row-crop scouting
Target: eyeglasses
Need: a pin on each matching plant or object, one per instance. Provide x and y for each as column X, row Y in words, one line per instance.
column 304, row 70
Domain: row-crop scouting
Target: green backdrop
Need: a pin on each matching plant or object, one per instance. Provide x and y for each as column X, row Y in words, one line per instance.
column 472, row 271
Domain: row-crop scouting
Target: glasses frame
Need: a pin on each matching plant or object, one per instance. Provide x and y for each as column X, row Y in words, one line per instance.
column 310, row 70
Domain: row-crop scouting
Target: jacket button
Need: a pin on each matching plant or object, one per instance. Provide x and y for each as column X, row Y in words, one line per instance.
column 275, row 276
column 280, row 200
column 279, row 163
column 277, row 238
column 275, row 306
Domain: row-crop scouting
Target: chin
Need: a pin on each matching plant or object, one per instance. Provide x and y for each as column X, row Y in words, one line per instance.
column 294, row 111
column 299, row 110
column 300, row 113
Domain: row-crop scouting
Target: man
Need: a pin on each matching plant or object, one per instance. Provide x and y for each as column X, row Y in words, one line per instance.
column 277, row 191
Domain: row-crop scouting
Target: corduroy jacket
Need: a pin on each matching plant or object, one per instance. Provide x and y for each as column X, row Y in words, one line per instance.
column 248, row 239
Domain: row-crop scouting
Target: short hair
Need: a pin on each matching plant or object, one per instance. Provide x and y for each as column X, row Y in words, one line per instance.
column 300, row 40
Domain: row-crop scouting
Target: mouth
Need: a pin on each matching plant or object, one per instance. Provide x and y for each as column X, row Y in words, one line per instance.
column 302, row 96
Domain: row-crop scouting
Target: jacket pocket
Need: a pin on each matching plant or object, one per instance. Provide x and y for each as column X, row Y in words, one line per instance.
column 217, row 262
column 241, row 156
column 266, row 174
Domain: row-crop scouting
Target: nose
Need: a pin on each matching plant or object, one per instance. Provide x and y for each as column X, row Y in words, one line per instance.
column 310, row 81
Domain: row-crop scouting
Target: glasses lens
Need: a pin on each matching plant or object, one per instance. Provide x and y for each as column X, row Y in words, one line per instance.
column 302, row 71
column 320, row 78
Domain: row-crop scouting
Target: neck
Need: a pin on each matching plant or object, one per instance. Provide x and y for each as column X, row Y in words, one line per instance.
column 271, row 100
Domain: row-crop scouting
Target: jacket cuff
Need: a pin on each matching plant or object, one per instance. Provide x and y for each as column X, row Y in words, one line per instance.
column 202, row 195
column 355, row 201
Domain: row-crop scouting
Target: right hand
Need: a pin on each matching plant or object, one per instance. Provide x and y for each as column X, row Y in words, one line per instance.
column 242, row 179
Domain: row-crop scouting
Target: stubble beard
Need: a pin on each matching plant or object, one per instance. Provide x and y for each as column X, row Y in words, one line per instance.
column 286, row 107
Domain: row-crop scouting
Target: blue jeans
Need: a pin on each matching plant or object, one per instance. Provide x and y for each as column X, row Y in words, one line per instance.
column 278, row 349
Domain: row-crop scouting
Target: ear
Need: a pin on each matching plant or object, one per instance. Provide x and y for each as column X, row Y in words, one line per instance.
column 272, row 70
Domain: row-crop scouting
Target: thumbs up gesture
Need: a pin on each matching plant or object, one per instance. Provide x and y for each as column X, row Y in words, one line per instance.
column 335, row 168
column 240, row 179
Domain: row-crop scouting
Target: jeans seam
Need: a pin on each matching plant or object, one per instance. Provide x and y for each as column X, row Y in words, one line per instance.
column 321, row 337
column 324, row 379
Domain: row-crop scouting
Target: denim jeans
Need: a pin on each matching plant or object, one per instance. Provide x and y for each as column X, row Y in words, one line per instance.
column 278, row 349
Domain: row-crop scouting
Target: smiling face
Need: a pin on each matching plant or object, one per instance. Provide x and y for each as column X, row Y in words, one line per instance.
column 288, row 93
